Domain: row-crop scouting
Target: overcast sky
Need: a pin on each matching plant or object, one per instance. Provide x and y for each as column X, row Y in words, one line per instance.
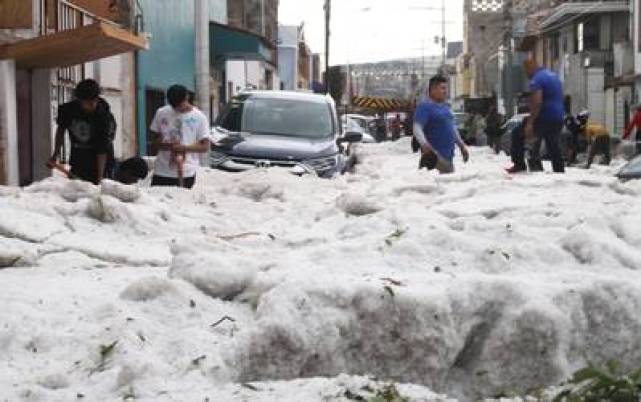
column 371, row 30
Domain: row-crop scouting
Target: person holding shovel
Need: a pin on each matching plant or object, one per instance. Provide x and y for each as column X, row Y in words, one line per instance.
column 92, row 128
column 435, row 129
column 181, row 132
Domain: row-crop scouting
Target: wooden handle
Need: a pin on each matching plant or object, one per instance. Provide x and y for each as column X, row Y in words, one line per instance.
column 62, row 169
column 180, row 161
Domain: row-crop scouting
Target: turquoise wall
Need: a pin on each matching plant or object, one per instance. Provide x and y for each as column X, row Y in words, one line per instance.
column 170, row 58
column 228, row 43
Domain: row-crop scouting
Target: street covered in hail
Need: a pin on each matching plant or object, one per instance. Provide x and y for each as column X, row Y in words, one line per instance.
column 266, row 286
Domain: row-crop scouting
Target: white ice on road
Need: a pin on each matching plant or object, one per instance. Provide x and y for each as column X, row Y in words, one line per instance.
column 263, row 286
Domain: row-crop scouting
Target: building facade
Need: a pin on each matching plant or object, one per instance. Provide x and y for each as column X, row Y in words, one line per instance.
column 590, row 46
column 246, row 55
column 636, row 49
column 170, row 59
column 46, row 48
column 288, row 38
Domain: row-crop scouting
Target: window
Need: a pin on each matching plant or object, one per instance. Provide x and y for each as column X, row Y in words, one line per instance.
column 231, row 118
column 579, row 38
column 588, row 35
column 554, row 47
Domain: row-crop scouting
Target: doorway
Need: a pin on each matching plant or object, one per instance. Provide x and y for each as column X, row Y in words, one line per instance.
column 23, row 114
column 154, row 100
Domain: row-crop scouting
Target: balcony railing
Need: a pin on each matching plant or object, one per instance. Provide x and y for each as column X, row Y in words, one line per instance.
column 61, row 15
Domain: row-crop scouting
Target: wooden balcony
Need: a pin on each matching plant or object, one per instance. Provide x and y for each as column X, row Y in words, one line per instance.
column 72, row 47
column 65, row 34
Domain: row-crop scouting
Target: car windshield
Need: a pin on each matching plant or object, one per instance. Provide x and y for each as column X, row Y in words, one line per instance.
column 353, row 125
column 359, row 121
column 285, row 117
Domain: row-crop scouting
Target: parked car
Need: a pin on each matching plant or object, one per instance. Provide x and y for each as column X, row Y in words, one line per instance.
column 460, row 119
column 514, row 122
column 352, row 125
column 632, row 170
column 296, row 131
column 507, row 129
column 364, row 121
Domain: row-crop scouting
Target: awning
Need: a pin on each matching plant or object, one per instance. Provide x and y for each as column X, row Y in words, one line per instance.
column 229, row 43
column 73, row 46
column 565, row 11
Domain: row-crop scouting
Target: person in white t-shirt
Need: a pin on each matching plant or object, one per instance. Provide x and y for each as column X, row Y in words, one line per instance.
column 181, row 132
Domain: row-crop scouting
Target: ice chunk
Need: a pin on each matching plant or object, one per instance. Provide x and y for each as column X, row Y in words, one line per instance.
column 122, row 192
column 147, row 289
column 17, row 253
column 28, row 226
column 108, row 209
column 357, row 205
column 259, row 191
column 223, row 278
column 54, row 381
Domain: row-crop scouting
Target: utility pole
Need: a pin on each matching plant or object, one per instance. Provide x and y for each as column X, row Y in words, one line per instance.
column 328, row 14
column 201, row 22
column 443, row 39
column 263, row 30
column 508, row 73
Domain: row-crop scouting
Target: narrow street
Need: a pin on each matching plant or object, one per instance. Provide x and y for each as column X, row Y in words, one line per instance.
column 320, row 201
column 501, row 281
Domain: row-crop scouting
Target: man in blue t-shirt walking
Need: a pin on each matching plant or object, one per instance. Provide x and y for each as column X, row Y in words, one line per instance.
column 435, row 129
column 547, row 113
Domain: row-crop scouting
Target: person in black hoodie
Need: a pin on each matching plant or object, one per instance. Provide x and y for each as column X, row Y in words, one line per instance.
column 92, row 128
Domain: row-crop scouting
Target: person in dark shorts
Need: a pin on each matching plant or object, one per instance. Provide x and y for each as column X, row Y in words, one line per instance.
column 181, row 132
column 92, row 128
column 435, row 129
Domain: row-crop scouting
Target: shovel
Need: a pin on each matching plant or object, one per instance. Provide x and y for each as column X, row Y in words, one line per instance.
column 60, row 168
column 180, row 162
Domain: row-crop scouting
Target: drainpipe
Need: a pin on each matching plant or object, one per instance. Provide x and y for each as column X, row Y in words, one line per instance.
column 201, row 23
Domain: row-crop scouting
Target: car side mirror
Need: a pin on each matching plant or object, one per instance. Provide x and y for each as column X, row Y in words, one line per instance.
column 352, row 136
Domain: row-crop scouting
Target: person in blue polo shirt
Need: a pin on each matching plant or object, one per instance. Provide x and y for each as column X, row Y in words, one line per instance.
column 547, row 113
column 435, row 129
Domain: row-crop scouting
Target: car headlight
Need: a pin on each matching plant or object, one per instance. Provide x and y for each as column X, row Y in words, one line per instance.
column 322, row 164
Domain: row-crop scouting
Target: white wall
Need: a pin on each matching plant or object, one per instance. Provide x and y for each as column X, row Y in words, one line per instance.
column 218, row 11
column 8, row 123
column 255, row 74
column 110, row 80
column 243, row 74
column 235, row 70
column 610, row 104
column 114, row 75
column 595, row 94
column 288, row 67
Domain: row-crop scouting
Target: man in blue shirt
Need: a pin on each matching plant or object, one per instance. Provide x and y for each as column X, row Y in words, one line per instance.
column 547, row 113
column 435, row 128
